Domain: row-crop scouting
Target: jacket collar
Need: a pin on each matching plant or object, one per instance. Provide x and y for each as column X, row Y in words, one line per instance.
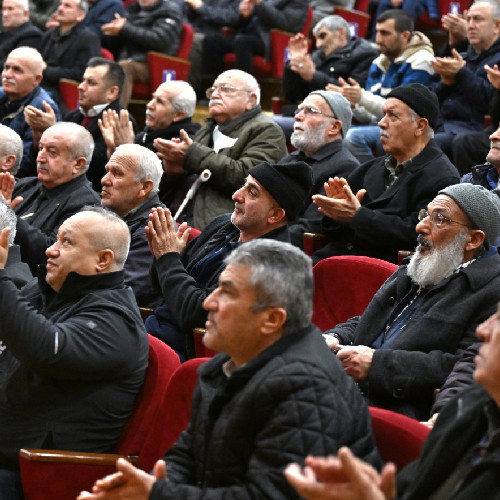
column 229, row 126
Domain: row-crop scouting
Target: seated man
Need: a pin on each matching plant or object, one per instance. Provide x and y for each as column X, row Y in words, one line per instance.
column 337, row 55
column 321, row 123
column 21, row 76
column 60, row 189
column 272, row 196
column 17, row 31
column 416, row 327
column 75, row 350
column 11, row 150
column 168, row 112
column 375, row 211
column 275, row 394
column 148, row 25
column 458, row 459
column 238, row 136
column 67, row 48
column 98, row 92
column 130, row 189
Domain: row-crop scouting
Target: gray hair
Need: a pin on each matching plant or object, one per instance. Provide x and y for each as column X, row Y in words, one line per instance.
column 249, row 80
column 83, row 5
column 33, row 57
column 185, row 100
column 496, row 7
column 8, row 219
column 414, row 117
column 282, row 277
column 148, row 165
column 113, row 233
column 333, row 24
column 23, row 4
column 79, row 140
column 11, row 144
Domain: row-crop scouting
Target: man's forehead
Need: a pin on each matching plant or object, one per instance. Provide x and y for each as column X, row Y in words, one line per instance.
column 97, row 72
column 443, row 202
column 55, row 139
column 316, row 101
column 387, row 25
column 123, row 161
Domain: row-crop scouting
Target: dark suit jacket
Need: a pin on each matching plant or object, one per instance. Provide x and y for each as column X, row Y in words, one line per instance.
column 24, row 35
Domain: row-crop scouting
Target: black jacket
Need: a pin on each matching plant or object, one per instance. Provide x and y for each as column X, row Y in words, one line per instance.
column 24, row 35
column 291, row 400
column 73, row 364
column 386, row 221
column 153, row 28
column 35, row 236
column 353, row 60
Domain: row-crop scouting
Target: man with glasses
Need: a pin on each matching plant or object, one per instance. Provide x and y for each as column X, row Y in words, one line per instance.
column 416, row 327
column 237, row 137
column 321, row 122
column 375, row 210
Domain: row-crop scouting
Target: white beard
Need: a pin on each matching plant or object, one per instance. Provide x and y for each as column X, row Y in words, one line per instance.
column 438, row 265
column 310, row 140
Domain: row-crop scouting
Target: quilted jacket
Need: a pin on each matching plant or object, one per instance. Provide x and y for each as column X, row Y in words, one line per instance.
column 291, row 400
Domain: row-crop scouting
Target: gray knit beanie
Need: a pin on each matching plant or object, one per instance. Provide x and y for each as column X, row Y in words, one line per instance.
column 340, row 107
column 481, row 206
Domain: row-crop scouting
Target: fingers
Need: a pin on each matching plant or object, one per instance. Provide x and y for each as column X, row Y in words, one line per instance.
column 4, row 238
column 160, row 470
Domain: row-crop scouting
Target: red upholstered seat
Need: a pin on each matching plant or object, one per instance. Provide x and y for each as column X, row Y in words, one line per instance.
column 344, row 286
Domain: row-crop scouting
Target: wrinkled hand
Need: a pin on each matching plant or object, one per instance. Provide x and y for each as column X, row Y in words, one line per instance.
column 448, row 67
column 340, row 203
column 39, row 120
column 343, row 477
column 298, row 46
column 126, row 484
column 107, row 126
column 194, row 4
column 331, row 341
column 356, row 360
column 456, row 26
column 161, row 233
column 4, row 246
column 493, row 75
column 173, row 151
column 123, row 129
column 304, row 66
column 114, row 27
column 352, row 91
column 7, row 183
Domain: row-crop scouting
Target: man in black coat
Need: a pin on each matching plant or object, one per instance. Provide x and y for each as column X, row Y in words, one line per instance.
column 75, row 350
column 67, row 48
column 98, row 92
column 274, row 394
column 271, row 197
column 60, row 189
column 17, row 30
column 375, row 211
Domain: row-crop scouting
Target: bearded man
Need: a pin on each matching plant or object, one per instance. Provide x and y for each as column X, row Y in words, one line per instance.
column 417, row 325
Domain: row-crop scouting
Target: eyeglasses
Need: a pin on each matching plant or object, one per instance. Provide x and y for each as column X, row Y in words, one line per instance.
column 225, row 90
column 309, row 110
column 437, row 218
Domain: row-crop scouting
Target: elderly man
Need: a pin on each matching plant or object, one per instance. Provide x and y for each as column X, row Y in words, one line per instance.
column 375, row 211
column 321, row 123
column 237, row 137
column 11, row 150
column 17, row 31
column 75, row 350
column 459, row 459
column 167, row 113
column 67, row 48
column 98, row 92
column 130, row 189
column 405, row 57
column 21, row 76
column 60, row 189
column 271, row 196
column 148, row 25
column 415, row 328
column 275, row 393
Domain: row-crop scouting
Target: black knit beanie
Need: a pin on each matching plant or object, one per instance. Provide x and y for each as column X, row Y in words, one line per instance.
column 289, row 184
column 419, row 98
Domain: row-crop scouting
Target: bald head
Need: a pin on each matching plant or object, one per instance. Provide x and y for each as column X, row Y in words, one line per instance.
column 22, row 72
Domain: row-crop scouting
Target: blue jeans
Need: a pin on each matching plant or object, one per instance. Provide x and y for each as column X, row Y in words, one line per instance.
column 10, row 485
column 363, row 140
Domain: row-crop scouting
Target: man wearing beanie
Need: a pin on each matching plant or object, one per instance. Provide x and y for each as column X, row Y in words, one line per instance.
column 424, row 316
column 272, row 196
column 375, row 210
column 321, row 123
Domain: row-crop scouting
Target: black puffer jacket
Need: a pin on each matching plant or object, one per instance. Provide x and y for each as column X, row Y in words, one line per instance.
column 291, row 400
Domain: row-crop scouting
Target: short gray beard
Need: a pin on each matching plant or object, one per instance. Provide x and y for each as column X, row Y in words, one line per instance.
column 310, row 140
column 438, row 264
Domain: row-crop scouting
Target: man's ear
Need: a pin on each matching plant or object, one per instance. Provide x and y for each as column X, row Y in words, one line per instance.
column 276, row 214
column 9, row 162
column 273, row 321
column 112, row 93
column 147, row 186
column 105, row 261
column 79, row 165
column 474, row 241
column 178, row 116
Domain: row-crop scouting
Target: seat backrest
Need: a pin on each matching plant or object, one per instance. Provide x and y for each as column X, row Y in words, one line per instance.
column 163, row 361
column 399, row 438
column 344, row 286
column 186, row 41
column 173, row 413
column 68, row 89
